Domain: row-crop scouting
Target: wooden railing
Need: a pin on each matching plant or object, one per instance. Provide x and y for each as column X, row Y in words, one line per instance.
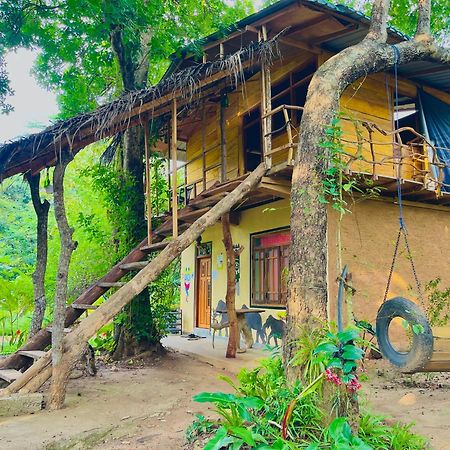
column 291, row 132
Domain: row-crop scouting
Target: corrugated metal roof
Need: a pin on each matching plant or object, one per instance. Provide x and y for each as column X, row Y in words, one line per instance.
column 423, row 72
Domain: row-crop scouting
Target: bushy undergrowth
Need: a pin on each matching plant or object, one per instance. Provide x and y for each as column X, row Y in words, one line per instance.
column 266, row 412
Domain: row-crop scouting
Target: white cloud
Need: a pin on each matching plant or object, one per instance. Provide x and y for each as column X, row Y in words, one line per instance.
column 33, row 105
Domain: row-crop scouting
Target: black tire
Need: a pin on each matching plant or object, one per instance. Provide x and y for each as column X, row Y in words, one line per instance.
column 422, row 343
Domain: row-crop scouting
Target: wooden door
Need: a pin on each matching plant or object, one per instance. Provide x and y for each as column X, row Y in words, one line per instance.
column 204, row 292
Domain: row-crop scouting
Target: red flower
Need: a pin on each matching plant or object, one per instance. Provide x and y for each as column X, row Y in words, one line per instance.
column 332, row 377
column 18, row 332
column 353, row 385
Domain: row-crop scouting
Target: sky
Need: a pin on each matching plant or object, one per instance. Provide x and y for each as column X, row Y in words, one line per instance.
column 33, row 105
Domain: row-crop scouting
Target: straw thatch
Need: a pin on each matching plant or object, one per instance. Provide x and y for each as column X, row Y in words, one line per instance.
column 40, row 150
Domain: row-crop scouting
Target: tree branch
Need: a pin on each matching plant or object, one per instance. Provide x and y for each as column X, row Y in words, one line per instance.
column 378, row 24
column 424, row 19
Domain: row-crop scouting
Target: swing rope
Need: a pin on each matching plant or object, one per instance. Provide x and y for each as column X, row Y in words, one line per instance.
column 402, row 226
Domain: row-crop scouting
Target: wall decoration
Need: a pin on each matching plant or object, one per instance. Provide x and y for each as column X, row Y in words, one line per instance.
column 187, row 279
column 220, row 261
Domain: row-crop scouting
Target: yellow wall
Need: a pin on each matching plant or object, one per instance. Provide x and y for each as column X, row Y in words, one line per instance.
column 368, row 237
column 254, row 220
column 366, row 99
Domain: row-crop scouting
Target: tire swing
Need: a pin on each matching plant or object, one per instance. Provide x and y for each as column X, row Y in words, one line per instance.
column 422, row 355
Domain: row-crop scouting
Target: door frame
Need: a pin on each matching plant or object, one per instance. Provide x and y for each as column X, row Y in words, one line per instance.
column 198, row 258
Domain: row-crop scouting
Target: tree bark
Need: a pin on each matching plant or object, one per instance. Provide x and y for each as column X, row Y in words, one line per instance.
column 307, row 296
column 134, row 65
column 68, row 245
column 75, row 342
column 231, row 288
column 41, row 209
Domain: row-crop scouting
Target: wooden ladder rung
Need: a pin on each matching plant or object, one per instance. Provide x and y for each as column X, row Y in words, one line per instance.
column 9, row 375
column 34, row 354
column 138, row 265
column 110, row 284
column 84, row 307
column 154, row 247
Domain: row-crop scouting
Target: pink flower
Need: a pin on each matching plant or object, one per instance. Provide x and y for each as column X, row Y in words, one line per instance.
column 353, row 385
column 332, row 377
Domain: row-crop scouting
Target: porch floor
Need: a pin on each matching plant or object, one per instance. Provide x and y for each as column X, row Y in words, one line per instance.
column 203, row 350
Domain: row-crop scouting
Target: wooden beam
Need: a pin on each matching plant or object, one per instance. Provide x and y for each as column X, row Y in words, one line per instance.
column 204, row 145
column 148, row 184
column 223, row 140
column 266, row 105
column 300, row 45
column 173, row 151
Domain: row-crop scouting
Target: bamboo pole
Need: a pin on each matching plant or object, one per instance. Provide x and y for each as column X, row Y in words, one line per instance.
column 266, row 105
column 204, row 145
column 148, row 184
column 223, row 140
column 173, row 151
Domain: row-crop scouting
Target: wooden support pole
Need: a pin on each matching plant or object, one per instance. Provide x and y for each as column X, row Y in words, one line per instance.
column 266, row 105
column 148, row 184
column 231, row 288
column 173, row 151
column 204, row 145
column 223, row 139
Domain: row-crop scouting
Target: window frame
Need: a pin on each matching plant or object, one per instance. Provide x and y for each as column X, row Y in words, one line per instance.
column 277, row 306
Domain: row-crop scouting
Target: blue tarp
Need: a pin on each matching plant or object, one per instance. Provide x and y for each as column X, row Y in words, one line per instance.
column 436, row 124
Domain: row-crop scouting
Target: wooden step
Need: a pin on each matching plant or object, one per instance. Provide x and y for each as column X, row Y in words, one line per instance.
column 111, row 284
column 35, row 354
column 66, row 330
column 138, row 265
column 154, row 247
column 84, row 307
column 9, row 375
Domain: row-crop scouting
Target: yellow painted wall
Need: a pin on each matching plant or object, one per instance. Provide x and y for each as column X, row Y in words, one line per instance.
column 251, row 221
column 368, row 237
column 366, row 99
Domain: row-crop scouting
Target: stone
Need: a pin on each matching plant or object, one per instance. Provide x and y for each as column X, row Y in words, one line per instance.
column 20, row 404
column 408, row 399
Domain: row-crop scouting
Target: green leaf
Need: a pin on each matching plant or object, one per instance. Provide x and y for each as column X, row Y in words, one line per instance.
column 352, row 352
column 326, row 348
column 418, row 328
column 339, row 428
column 220, row 439
column 335, row 363
column 348, row 335
column 244, row 433
column 349, row 366
column 214, row 397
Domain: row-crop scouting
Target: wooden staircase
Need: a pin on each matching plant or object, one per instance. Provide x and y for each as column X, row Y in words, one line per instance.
column 12, row 367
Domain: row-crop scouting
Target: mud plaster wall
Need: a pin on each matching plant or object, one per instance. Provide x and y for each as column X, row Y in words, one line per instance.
column 368, row 236
column 368, row 239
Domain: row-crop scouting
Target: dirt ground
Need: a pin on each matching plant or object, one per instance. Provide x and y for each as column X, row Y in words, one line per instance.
column 149, row 407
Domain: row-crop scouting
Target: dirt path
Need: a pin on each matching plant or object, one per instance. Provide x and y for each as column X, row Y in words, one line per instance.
column 145, row 408
column 150, row 408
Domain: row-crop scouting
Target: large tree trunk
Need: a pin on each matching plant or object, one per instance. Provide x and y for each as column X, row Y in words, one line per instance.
column 231, row 288
column 307, row 297
column 134, row 336
column 75, row 342
column 68, row 245
column 41, row 209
